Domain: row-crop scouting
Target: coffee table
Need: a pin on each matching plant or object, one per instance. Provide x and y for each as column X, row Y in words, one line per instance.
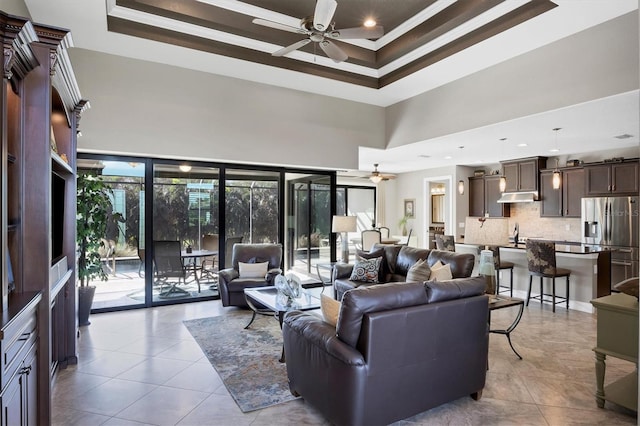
column 500, row 302
column 265, row 301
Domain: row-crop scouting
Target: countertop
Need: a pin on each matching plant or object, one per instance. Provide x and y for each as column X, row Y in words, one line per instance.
column 562, row 247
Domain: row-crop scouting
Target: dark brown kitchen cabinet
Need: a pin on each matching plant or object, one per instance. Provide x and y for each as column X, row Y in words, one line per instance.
column 612, row 178
column 566, row 200
column 522, row 175
column 484, row 193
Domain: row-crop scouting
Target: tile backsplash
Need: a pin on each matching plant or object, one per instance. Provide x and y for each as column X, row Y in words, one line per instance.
column 527, row 215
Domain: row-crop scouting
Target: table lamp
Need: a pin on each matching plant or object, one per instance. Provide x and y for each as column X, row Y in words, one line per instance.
column 342, row 225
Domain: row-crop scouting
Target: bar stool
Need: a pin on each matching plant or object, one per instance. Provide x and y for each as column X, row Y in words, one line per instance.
column 501, row 265
column 445, row 242
column 541, row 260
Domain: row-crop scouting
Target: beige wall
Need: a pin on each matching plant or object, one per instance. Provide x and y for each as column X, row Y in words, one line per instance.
column 140, row 108
column 573, row 70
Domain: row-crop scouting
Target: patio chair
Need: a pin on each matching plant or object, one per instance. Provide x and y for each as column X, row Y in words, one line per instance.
column 208, row 265
column 169, row 269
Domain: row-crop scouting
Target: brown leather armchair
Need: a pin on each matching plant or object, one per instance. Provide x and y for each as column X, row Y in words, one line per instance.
column 230, row 283
column 365, row 372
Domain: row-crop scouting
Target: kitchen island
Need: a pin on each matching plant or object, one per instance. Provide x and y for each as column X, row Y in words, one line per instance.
column 590, row 268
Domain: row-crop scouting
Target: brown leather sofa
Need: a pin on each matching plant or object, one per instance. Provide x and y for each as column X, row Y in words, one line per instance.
column 231, row 285
column 398, row 349
column 397, row 262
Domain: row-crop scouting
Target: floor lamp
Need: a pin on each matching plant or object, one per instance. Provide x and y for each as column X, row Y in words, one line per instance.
column 343, row 225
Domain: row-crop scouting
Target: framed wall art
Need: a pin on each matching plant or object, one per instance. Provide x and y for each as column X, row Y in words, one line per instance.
column 410, row 208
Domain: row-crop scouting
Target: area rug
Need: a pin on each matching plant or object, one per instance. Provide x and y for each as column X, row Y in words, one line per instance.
column 246, row 360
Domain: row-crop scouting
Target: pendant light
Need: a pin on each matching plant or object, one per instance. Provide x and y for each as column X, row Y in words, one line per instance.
column 503, row 183
column 555, row 180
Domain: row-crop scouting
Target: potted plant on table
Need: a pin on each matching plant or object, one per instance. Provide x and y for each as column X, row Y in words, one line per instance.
column 402, row 223
column 93, row 214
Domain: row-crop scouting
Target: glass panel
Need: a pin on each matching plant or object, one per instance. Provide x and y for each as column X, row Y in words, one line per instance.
column 309, row 224
column 251, row 208
column 185, row 230
column 122, row 253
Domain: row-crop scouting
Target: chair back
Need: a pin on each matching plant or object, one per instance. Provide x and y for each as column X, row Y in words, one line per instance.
column 210, row 242
column 496, row 256
column 445, row 242
column 369, row 238
column 228, row 250
column 384, row 232
column 257, row 253
column 541, row 257
column 167, row 259
column 406, row 243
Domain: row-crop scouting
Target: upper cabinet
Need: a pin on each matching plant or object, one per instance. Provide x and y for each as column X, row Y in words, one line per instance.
column 566, row 200
column 523, row 175
column 612, row 179
column 484, row 193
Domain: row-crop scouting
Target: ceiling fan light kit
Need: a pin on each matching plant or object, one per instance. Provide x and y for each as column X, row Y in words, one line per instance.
column 320, row 28
column 377, row 177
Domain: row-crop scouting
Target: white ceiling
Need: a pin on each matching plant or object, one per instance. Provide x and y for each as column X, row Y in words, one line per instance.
column 584, row 133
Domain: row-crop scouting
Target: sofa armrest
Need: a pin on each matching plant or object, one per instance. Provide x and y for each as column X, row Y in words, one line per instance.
column 318, row 333
column 342, row 270
column 228, row 275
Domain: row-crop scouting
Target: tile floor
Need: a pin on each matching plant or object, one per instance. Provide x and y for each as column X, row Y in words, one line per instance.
column 142, row 367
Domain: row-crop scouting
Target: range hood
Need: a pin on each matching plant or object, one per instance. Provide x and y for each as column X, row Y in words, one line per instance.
column 519, row 197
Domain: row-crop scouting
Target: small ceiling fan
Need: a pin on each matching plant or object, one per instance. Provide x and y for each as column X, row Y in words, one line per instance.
column 321, row 30
column 377, row 177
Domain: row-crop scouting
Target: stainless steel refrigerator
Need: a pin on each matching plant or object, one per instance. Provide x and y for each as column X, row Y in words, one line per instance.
column 613, row 222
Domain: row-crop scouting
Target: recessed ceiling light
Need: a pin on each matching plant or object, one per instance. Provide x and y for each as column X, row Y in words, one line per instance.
column 461, row 147
column 424, row 156
column 448, row 157
column 554, row 150
column 522, row 145
column 503, row 139
column 370, row 22
column 624, row 136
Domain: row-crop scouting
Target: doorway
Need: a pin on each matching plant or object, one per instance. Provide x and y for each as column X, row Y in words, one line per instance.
column 438, row 205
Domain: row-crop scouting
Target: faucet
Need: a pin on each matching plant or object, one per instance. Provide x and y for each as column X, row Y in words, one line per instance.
column 516, row 233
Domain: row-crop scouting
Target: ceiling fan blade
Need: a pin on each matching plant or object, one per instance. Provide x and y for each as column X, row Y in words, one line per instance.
column 291, row 48
column 333, row 51
column 324, row 14
column 358, row 32
column 278, row 26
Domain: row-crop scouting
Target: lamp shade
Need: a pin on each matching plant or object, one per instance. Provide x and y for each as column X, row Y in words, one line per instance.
column 344, row 224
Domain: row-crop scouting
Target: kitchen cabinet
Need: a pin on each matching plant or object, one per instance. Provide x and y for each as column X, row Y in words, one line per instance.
column 484, row 193
column 612, row 179
column 565, row 201
column 522, row 175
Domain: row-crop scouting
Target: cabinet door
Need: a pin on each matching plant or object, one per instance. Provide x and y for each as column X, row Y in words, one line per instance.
column 551, row 199
column 572, row 192
column 492, row 195
column 31, row 387
column 12, row 402
column 624, row 178
column 476, row 196
column 598, row 179
column 528, row 175
column 510, row 172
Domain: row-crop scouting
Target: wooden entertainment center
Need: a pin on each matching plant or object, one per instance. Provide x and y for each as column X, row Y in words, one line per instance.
column 40, row 106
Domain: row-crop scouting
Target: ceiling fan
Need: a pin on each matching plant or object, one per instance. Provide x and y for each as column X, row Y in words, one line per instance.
column 377, row 177
column 321, row 30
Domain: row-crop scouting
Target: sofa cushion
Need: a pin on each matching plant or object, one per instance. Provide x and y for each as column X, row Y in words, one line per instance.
column 330, row 308
column 419, row 272
column 382, row 297
column 461, row 264
column 439, row 291
column 366, row 270
column 253, row 270
column 440, row 272
column 390, row 256
column 407, row 257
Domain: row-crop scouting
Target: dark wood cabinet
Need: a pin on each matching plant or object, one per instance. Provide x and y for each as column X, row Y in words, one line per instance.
column 565, row 201
column 484, row 193
column 40, row 107
column 612, row 179
column 522, row 175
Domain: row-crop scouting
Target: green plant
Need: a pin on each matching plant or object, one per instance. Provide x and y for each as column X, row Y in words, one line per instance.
column 94, row 211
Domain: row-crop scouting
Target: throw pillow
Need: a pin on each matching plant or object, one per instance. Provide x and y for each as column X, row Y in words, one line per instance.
column 366, row 270
column 419, row 272
column 330, row 308
column 378, row 252
column 253, row 270
column 440, row 272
